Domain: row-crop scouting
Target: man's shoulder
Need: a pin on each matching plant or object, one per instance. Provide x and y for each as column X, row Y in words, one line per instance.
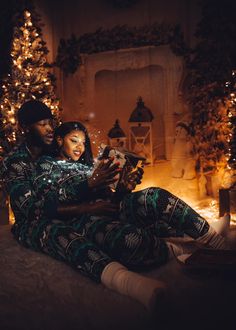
column 46, row 159
column 46, row 163
column 18, row 156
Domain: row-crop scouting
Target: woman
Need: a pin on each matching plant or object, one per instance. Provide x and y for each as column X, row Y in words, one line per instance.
column 131, row 232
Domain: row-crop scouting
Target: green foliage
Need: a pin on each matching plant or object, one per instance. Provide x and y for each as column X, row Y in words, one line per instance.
column 211, row 65
column 119, row 37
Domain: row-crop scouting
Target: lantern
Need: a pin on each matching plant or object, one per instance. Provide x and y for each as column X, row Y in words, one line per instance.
column 116, row 135
column 140, row 131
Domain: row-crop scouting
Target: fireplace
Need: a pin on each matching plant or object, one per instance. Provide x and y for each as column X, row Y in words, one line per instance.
column 110, row 83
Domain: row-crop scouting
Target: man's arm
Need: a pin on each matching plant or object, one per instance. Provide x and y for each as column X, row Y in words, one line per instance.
column 93, row 208
column 16, row 171
column 72, row 182
column 129, row 181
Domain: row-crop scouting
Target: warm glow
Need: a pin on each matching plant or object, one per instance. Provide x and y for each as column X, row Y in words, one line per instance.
column 11, row 215
column 159, row 176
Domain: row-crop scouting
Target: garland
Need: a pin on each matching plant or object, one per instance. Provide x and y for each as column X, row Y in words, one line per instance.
column 120, row 37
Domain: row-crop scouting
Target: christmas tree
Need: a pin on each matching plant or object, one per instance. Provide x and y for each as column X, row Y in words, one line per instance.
column 210, row 67
column 30, row 78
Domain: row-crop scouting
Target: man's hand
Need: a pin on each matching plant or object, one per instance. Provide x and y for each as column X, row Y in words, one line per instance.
column 134, row 178
column 130, row 180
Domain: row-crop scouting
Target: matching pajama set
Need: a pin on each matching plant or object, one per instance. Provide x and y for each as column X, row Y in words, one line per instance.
column 87, row 242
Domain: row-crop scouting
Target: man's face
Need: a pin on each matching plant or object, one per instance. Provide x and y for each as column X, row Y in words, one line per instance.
column 42, row 132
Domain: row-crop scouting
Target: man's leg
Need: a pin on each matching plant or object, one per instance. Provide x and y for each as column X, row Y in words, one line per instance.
column 62, row 242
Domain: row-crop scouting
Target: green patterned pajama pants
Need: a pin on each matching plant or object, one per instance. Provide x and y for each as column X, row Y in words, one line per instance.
column 134, row 237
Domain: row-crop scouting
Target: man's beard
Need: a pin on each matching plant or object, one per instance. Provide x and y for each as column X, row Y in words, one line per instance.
column 37, row 140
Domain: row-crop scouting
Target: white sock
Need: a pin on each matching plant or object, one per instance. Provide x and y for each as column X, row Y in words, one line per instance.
column 212, row 239
column 145, row 290
column 222, row 225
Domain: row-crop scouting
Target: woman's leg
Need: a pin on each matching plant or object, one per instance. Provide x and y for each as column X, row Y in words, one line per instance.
column 154, row 206
column 159, row 208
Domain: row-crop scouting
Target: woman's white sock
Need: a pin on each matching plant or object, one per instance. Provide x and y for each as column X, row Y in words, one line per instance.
column 222, row 225
column 212, row 240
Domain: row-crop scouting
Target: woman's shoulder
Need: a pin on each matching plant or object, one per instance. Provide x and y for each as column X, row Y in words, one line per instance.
column 65, row 164
column 73, row 166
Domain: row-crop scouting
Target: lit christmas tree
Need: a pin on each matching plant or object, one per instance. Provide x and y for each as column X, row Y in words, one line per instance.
column 30, row 78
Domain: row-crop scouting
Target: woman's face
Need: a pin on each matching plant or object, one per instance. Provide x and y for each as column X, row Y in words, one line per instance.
column 72, row 145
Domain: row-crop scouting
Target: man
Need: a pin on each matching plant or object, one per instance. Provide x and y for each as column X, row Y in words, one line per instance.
column 36, row 119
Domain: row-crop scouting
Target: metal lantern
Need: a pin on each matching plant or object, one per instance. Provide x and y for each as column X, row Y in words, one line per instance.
column 140, row 131
column 116, row 135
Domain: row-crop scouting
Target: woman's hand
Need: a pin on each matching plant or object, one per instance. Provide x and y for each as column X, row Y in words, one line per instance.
column 104, row 174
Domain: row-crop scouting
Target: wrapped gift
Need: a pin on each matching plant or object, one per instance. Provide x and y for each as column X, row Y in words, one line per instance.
column 128, row 162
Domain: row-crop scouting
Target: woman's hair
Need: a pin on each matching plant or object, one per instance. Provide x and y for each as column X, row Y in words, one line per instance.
column 67, row 127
